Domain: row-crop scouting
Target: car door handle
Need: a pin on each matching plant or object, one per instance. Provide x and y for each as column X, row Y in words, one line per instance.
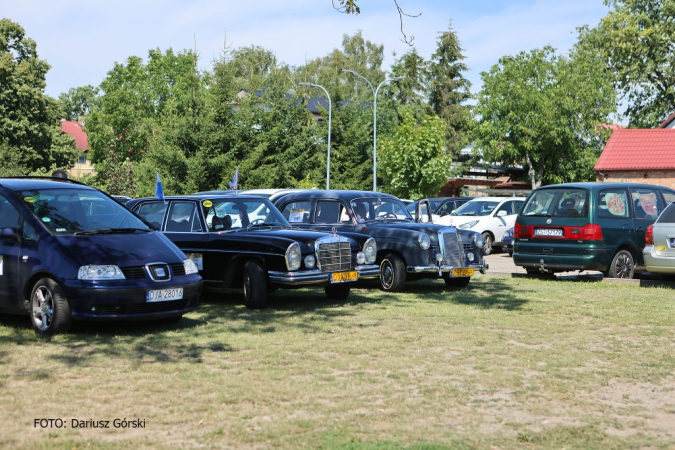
column 639, row 229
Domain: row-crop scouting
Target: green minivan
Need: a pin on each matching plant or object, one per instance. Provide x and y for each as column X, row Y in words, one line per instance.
column 587, row 226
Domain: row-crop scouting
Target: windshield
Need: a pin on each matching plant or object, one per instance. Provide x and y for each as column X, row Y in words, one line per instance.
column 567, row 202
column 379, row 208
column 70, row 211
column 236, row 214
column 476, row 208
column 433, row 203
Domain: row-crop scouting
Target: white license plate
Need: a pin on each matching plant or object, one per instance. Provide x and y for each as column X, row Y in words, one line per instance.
column 556, row 232
column 164, row 295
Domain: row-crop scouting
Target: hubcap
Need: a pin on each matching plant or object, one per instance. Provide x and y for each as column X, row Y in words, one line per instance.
column 386, row 274
column 488, row 244
column 623, row 266
column 43, row 308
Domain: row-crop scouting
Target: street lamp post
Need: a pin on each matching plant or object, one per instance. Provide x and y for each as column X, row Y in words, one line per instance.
column 329, row 124
column 375, row 91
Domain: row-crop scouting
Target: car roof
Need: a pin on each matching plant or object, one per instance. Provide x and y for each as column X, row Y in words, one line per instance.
column 495, row 199
column 599, row 184
column 204, row 197
column 37, row 183
column 334, row 194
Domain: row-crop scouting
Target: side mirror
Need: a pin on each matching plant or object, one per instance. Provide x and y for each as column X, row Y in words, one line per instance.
column 502, row 213
column 9, row 233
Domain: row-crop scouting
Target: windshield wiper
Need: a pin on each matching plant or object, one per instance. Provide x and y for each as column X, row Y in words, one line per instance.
column 112, row 231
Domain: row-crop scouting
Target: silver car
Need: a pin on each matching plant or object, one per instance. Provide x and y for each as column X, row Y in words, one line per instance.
column 659, row 251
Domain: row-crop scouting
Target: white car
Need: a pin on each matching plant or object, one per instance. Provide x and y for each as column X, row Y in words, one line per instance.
column 490, row 216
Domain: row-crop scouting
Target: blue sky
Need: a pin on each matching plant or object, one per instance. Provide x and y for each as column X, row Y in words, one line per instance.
column 82, row 40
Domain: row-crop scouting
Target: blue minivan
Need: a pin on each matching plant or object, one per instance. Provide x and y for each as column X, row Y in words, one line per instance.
column 70, row 252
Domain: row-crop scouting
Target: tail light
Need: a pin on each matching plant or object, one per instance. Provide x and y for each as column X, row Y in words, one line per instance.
column 522, row 231
column 649, row 235
column 592, row 232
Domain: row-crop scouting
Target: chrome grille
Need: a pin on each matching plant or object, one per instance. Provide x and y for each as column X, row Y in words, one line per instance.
column 334, row 254
column 452, row 248
column 178, row 269
column 159, row 272
column 133, row 273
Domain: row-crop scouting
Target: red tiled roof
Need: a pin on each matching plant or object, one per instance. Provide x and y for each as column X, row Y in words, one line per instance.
column 667, row 122
column 74, row 130
column 638, row 149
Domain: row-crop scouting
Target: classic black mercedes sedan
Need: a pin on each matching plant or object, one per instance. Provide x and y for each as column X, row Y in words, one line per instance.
column 243, row 240
column 407, row 249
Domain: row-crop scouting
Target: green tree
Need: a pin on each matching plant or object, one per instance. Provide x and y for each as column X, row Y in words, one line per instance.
column 78, row 102
column 636, row 43
column 545, row 111
column 413, row 161
column 448, row 90
column 29, row 126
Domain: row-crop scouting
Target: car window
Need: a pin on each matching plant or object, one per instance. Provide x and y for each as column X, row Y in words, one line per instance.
column 328, row 212
column 446, row 208
column 9, row 215
column 668, row 196
column 613, row 204
column 297, row 212
column 564, row 202
column 476, row 208
column 236, row 213
column 646, row 203
column 668, row 215
column 379, row 208
column 183, row 217
column 506, row 206
column 152, row 212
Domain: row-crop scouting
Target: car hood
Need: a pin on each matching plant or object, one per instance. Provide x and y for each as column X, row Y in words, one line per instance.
column 457, row 220
column 428, row 228
column 124, row 250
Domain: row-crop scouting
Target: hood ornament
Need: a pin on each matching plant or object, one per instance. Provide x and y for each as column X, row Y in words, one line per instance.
column 335, row 232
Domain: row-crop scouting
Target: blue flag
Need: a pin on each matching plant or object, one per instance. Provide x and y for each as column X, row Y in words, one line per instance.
column 159, row 190
column 235, row 180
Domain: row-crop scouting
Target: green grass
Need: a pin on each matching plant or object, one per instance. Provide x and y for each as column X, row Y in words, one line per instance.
column 506, row 363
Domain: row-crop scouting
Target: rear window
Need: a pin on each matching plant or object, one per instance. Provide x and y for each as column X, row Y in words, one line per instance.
column 668, row 215
column 557, row 202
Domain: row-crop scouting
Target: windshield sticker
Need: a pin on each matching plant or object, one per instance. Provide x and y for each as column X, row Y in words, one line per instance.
column 207, row 203
column 297, row 217
column 648, row 203
column 46, row 219
column 29, row 199
column 615, row 204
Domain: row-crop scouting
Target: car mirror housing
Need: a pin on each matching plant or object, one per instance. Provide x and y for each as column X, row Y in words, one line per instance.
column 9, row 233
column 502, row 213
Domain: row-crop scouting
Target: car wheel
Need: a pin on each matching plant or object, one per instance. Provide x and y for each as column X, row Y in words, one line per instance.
column 337, row 291
column 622, row 266
column 392, row 273
column 255, row 286
column 456, row 283
column 487, row 243
column 49, row 308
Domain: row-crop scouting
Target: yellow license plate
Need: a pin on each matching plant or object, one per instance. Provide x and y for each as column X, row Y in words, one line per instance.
column 341, row 277
column 462, row 272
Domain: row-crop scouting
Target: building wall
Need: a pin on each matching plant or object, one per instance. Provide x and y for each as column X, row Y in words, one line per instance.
column 657, row 177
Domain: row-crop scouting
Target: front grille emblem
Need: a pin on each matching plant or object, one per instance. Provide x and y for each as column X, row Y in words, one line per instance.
column 548, row 221
column 334, row 232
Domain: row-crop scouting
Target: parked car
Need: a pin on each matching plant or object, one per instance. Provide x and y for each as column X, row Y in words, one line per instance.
column 440, row 206
column 490, row 216
column 507, row 241
column 659, row 251
column 587, row 226
column 69, row 252
column 406, row 249
column 243, row 240
column 122, row 199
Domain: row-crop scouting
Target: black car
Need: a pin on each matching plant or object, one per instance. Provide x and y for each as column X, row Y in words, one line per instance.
column 243, row 240
column 69, row 252
column 407, row 250
column 440, row 206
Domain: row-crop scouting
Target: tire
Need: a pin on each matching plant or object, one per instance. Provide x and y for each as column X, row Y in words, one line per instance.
column 49, row 308
column 456, row 283
column 337, row 291
column 255, row 286
column 622, row 266
column 487, row 243
column 392, row 273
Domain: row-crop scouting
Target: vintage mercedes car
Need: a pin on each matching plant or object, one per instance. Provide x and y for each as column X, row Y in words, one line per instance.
column 243, row 240
column 407, row 249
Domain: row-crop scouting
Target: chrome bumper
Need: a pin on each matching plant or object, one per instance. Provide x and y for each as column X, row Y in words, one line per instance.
column 309, row 277
column 441, row 268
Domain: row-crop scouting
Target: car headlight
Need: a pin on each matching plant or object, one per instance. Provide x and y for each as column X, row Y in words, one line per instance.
column 370, row 251
column 509, row 232
column 190, row 267
column 468, row 224
column 478, row 240
column 424, row 241
column 293, row 256
column 310, row 261
column 469, row 256
column 92, row 272
column 360, row 258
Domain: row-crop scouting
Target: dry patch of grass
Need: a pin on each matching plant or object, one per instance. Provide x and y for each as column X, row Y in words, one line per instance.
column 506, row 363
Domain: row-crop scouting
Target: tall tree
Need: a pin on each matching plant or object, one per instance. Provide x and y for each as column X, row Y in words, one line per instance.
column 449, row 90
column 545, row 111
column 29, row 119
column 636, row 43
column 414, row 161
column 78, row 102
